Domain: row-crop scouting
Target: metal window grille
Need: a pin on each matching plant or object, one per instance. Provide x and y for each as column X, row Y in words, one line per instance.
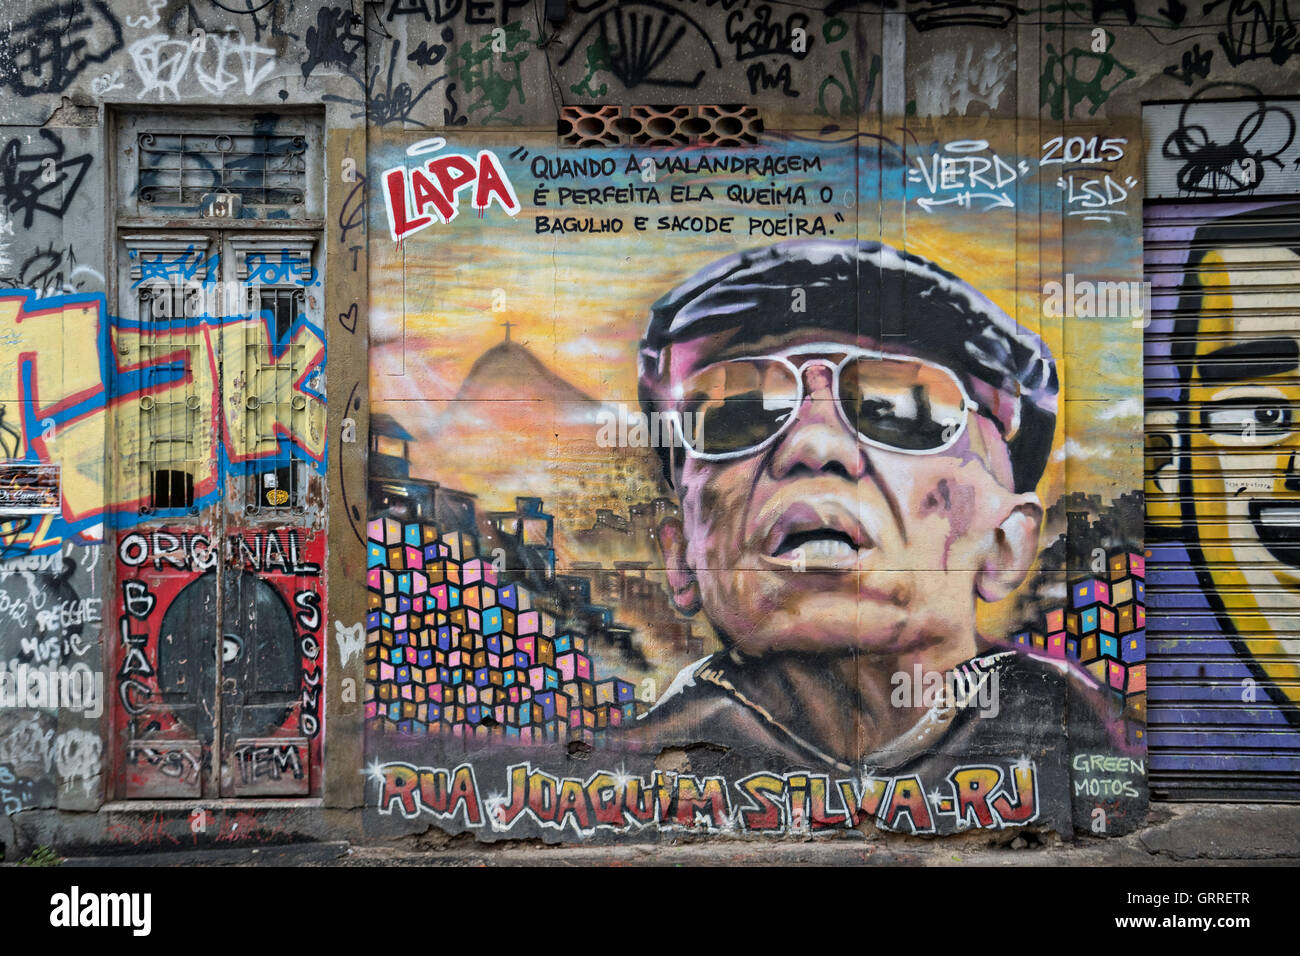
column 272, row 399
column 172, row 420
column 182, row 169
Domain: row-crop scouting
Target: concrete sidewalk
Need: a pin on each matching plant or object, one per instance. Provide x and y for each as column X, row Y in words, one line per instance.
column 1176, row 834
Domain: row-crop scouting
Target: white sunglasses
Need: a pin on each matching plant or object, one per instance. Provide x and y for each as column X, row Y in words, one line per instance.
column 899, row 403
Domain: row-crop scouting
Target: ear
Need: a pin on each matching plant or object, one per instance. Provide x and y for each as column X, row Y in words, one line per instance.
column 672, row 545
column 1015, row 546
column 1164, row 455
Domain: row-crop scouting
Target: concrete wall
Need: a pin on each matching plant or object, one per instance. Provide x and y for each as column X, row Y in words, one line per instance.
column 1002, row 143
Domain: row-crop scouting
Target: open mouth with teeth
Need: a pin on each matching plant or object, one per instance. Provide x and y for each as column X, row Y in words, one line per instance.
column 818, row 537
column 823, row 543
column 1278, row 525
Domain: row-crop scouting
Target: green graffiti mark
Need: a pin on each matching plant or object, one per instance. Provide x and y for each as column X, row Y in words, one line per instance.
column 494, row 73
column 1077, row 76
column 849, row 102
column 597, row 60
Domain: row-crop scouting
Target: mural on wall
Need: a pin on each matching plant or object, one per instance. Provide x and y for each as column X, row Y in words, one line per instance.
column 271, row 650
column 781, row 529
column 54, row 408
column 1222, row 482
column 247, row 391
column 730, row 550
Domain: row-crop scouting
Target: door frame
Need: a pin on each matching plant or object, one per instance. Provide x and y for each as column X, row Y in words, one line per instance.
column 233, row 242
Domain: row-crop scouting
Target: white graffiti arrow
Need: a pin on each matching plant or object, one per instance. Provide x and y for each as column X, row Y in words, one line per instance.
column 963, row 199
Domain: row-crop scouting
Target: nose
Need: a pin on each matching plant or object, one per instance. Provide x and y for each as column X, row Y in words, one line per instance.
column 819, row 440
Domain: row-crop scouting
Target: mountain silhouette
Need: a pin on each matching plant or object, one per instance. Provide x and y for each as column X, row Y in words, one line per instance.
column 508, row 370
column 517, row 427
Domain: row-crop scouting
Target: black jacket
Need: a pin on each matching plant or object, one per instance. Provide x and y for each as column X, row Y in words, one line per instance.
column 1054, row 731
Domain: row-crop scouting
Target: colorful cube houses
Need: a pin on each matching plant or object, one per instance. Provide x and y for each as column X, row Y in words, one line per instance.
column 450, row 649
column 1103, row 629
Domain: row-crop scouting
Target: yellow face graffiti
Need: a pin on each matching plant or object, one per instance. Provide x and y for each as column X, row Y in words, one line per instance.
column 1242, row 450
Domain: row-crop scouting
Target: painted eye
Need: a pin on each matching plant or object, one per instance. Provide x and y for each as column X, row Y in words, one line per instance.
column 1250, row 418
column 1274, row 417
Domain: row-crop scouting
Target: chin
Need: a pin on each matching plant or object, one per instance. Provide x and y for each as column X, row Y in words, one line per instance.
column 825, row 623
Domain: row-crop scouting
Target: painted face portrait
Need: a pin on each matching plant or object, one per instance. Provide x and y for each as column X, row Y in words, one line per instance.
column 842, row 491
column 1242, row 443
column 864, row 504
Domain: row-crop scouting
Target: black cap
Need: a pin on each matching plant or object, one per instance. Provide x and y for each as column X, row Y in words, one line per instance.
column 871, row 289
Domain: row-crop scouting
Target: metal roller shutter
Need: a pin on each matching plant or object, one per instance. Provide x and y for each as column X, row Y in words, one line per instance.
column 1222, row 380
